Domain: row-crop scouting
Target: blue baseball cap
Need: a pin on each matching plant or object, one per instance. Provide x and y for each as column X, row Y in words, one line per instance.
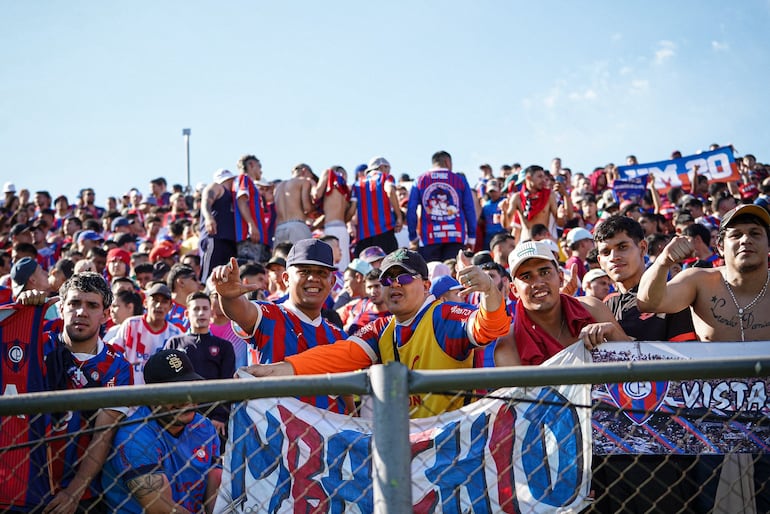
column 89, row 235
column 443, row 284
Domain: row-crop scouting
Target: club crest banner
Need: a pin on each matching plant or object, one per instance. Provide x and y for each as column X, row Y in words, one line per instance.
column 715, row 416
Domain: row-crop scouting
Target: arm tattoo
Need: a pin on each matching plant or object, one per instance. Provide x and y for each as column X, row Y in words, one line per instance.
column 145, row 484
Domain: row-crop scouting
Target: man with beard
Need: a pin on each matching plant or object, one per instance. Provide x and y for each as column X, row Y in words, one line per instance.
column 167, row 458
column 78, row 358
column 726, row 301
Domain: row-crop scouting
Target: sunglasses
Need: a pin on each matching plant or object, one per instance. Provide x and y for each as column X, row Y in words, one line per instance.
column 403, row 279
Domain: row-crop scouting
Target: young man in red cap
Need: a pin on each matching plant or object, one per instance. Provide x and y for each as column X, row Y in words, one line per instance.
column 167, row 458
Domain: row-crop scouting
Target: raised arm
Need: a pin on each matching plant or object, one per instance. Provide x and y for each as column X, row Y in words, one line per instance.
column 656, row 294
column 231, row 291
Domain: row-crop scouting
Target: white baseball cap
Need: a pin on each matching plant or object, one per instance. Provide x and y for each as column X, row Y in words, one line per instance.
column 530, row 250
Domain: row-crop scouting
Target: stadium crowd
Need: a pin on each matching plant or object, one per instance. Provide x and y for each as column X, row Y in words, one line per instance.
column 507, row 271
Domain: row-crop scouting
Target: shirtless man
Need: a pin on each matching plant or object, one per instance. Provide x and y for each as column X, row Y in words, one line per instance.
column 292, row 205
column 535, row 204
column 727, row 302
column 333, row 195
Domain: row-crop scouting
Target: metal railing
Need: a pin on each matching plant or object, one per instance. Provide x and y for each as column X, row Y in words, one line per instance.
column 390, row 386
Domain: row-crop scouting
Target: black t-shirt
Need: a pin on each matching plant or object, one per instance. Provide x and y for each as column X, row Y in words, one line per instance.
column 647, row 326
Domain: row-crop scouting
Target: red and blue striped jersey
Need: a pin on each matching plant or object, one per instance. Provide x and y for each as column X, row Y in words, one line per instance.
column 448, row 211
column 108, row 368
column 138, row 342
column 178, row 316
column 24, row 479
column 452, row 325
column 283, row 330
column 244, row 186
column 359, row 312
column 375, row 215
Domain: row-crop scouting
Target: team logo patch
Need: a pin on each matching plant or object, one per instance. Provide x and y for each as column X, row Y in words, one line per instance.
column 642, row 399
column 95, row 376
column 214, row 351
column 201, row 454
column 16, row 354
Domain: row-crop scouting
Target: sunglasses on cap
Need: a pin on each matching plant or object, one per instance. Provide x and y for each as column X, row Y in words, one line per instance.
column 403, row 279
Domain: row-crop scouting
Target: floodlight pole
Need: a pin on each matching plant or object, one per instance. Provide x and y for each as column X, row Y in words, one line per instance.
column 186, row 134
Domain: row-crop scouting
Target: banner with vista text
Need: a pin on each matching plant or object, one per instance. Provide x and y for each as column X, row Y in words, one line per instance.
column 527, row 450
column 715, row 416
column 718, row 165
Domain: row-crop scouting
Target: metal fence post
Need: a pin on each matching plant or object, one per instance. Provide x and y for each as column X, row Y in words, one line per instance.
column 392, row 455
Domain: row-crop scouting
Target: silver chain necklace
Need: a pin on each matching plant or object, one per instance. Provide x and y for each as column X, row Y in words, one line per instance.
column 750, row 304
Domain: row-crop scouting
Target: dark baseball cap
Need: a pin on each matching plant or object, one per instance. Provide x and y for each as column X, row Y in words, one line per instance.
column 312, row 252
column 20, row 273
column 161, row 289
column 169, row 366
column 19, row 228
column 407, row 259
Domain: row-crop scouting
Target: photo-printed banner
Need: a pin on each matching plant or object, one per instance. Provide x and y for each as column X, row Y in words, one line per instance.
column 714, row 416
column 718, row 165
column 529, row 453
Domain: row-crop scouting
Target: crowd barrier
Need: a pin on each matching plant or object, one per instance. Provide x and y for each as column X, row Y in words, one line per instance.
column 530, row 439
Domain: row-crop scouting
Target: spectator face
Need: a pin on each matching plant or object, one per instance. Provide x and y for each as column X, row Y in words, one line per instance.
column 100, row 262
column 143, row 279
column 374, row 292
column 55, row 279
column 158, row 306
column 199, row 314
column 354, row 283
column 120, row 310
column 537, row 180
column 745, row 247
column 599, row 288
column 622, row 258
column 537, row 284
column 504, row 249
column 649, row 226
column 117, row 268
column 453, row 296
column 309, row 286
column 83, row 315
column 404, row 300
column 260, row 280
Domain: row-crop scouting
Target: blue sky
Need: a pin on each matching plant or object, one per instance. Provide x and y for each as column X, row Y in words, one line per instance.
column 97, row 93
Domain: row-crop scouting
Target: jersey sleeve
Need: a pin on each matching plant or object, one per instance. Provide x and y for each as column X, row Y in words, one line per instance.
column 331, row 358
column 451, row 326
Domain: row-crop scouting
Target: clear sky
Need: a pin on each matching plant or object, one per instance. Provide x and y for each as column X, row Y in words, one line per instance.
column 97, row 93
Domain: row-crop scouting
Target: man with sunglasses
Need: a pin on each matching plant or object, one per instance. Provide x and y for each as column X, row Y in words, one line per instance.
column 423, row 333
column 281, row 330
